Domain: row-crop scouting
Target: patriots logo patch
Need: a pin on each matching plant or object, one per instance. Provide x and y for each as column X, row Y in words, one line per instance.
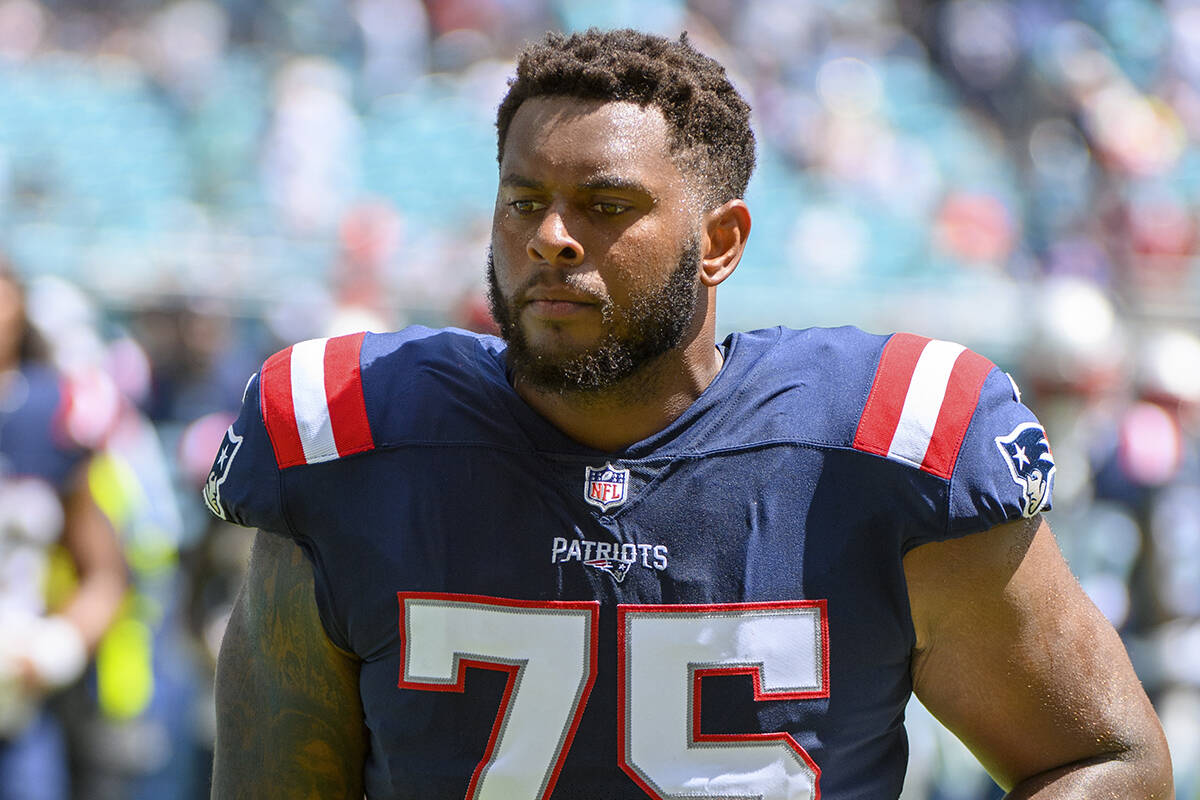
column 615, row 567
column 1027, row 452
column 220, row 471
column 606, row 486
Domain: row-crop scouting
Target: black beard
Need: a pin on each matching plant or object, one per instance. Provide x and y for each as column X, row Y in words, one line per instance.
column 652, row 324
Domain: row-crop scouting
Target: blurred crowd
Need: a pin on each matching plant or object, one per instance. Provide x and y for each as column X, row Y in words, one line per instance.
column 187, row 186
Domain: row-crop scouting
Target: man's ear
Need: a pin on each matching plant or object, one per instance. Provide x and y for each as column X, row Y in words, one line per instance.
column 726, row 228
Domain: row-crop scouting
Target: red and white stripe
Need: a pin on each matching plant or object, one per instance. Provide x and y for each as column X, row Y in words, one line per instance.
column 921, row 402
column 312, row 401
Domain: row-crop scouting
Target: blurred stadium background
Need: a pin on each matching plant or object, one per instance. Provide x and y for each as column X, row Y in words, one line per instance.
column 187, row 186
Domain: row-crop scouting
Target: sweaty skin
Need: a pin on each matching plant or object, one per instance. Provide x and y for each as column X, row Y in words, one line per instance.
column 289, row 720
column 1014, row 658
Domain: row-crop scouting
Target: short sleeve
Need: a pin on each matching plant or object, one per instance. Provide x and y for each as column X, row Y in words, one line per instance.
column 1005, row 468
column 243, row 486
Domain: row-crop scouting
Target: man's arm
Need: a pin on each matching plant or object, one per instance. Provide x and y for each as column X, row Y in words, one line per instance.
column 289, row 717
column 55, row 650
column 1014, row 658
column 89, row 538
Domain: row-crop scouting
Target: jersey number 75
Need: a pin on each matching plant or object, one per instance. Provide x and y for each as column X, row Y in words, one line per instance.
column 549, row 649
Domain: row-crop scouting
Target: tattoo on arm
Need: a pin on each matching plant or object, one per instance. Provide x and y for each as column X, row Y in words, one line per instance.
column 289, row 717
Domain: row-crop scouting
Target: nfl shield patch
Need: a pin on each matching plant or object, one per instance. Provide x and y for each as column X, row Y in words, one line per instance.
column 606, row 486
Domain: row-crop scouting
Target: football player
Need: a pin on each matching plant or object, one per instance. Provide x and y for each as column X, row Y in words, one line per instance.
column 607, row 556
column 45, row 502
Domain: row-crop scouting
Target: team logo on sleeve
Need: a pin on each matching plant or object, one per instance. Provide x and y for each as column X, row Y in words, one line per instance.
column 220, row 471
column 1031, row 464
column 606, row 486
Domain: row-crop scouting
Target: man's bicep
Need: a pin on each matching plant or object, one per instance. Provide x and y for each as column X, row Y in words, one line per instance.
column 289, row 717
column 1017, row 661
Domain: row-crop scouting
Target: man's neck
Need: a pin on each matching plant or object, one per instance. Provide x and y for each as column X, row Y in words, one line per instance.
column 637, row 407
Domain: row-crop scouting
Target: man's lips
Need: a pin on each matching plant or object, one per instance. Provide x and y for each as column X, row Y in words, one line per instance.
column 552, row 304
column 551, row 309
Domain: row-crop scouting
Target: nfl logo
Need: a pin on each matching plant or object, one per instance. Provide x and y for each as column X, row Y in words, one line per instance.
column 606, row 486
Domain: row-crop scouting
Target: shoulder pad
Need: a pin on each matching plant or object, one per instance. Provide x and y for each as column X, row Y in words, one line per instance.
column 312, row 401
column 921, row 402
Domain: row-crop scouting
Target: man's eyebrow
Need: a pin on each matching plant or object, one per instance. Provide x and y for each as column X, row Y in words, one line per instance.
column 614, row 182
column 595, row 183
column 520, row 182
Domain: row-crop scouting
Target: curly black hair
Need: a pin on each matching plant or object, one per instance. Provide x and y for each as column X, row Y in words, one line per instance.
column 708, row 119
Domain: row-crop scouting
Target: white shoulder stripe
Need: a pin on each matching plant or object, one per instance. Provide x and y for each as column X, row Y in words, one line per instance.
column 923, row 402
column 308, row 398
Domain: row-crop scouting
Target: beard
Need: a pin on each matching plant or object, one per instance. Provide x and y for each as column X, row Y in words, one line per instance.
column 632, row 335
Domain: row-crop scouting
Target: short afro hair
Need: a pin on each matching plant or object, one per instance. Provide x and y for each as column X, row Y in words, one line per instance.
column 709, row 121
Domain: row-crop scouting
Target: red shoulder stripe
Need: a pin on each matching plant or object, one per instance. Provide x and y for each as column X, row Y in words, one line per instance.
column 954, row 417
column 278, row 410
column 344, row 394
column 881, row 414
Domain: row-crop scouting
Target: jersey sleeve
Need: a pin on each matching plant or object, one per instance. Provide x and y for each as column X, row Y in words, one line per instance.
column 305, row 406
column 954, row 415
column 1005, row 467
column 243, row 486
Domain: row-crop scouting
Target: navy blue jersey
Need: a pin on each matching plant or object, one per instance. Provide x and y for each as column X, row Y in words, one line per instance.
column 34, row 442
column 716, row 611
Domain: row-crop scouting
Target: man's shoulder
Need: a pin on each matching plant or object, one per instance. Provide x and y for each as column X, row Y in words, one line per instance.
column 421, row 344
column 328, row 398
column 848, row 347
column 417, row 362
column 786, row 385
column 902, row 396
column 378, row 355
column 913, row 405
column 819, row 377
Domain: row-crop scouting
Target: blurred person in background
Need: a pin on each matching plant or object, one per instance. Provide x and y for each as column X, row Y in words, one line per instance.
column 1147, row 464
column 198, row 354
column 45, row 503
column 130, row 723
column 614, row 512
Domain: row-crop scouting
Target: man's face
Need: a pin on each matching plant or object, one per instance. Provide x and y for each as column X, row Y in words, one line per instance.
column 595, row 243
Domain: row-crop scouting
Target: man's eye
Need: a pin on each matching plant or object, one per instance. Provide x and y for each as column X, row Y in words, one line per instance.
column 526, row 206
column 610, row 209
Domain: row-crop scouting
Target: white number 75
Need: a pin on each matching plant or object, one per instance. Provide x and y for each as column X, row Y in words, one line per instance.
column 548, row 650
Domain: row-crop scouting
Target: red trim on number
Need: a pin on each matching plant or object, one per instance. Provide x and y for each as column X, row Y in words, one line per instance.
column 501, row 715
column 755, row 674
column 278, row 410
column 759, row 695
column 344, row 395
column 958, row 406
column 591, row 606
column 885, row 402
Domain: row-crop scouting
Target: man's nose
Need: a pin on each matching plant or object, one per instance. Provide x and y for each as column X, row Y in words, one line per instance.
column 553, row 243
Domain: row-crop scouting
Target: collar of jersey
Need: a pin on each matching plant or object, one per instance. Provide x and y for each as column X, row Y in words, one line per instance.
column 683, row 436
